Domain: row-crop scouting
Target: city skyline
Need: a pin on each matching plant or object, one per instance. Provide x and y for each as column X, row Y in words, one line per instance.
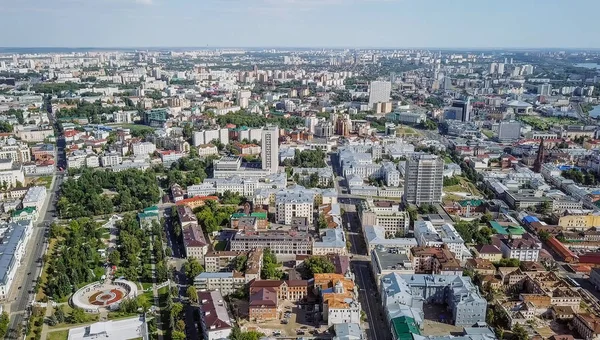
column 293, row 23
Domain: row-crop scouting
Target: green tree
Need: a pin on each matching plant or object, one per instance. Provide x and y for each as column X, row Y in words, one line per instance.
column 4, row 321
column 115, row 257
column 78, row 316
column 318, row 265
column 519, row 333
column 192, row 268
column 176, row 309
column 60, row 314
column 192, row 294
column 239, row 264
column 544, row 235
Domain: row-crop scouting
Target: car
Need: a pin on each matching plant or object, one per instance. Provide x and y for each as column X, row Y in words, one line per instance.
column 284, row 322
column 300, row 333
column 29, row 273
column 304, row 327
column 20, row 287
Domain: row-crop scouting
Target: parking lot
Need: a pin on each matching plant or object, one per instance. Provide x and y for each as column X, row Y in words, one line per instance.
column 295, row 320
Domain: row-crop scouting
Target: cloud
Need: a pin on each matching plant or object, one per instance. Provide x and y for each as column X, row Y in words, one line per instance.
column 144, row 2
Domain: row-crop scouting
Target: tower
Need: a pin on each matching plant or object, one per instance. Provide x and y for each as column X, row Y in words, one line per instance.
column 539, row 160
column 270, row 149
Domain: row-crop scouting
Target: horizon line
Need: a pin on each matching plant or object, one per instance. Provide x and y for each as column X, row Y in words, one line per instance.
column 303, row 47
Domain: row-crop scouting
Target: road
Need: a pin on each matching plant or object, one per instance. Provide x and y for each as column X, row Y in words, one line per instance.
column 35, row 250
column 377, row 326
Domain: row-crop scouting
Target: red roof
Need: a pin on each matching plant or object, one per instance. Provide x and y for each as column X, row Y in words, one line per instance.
column 197, row 198
column 560, row 248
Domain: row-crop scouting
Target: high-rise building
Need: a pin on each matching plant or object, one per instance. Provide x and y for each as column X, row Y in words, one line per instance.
column 493, row 67
column 544, row 89
column 500, row 68
column 270, row 149
column 462, row 109
column 424, row 179
column 243, row 98
column 380, row 92
column 539, row 160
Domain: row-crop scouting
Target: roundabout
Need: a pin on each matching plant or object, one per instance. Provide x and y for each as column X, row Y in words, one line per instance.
column 103, row 295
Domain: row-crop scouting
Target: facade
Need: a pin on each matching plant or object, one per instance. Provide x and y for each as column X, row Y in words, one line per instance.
column 509, row 131
column 332, row 242
column 294, row 203
column 521, row 249
column 579, row 222
column 462, row 297
column 223, row 282
column 143, row 148
column 35, row 198
column 214, row 318
column 270, row 149
column 587, row 325
column 386, row 214
column 280, row 243
column 207, row 136
column 14, row 241
column 423, row 179
column 379, row 92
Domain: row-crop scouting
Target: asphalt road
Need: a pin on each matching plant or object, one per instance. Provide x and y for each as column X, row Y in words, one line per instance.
column 32, row 262
column 378, row 329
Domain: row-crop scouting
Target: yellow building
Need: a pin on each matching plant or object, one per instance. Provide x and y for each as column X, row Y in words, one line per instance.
column 579, row 222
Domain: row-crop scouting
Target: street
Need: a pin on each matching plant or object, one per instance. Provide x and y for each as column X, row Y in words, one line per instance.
column 360, row 260
column 30, row 264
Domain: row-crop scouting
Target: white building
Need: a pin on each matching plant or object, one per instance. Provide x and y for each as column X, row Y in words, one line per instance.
column 270, row 149
column 294, row 203
column 207, row 136
column 214, row 318
column 379, row 92
column 143, row 148
column 386, row 214
column 11, row 173
column 111, row 159
column 333, row 242
column 428, row 235
column 35, row 197
column 14, row 241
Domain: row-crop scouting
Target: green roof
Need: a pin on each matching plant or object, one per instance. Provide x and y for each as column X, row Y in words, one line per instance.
column 510, row 230
column 258, row 215
column 404, row 327
column 151, row 209
column 473, row 203
column 28, row 210
column 145, row 215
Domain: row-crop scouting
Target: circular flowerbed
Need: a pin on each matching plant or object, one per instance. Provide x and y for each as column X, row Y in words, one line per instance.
column 105, row 297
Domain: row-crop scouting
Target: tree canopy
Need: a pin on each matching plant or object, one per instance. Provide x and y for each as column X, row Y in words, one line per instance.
column 87, row 196
column 318, row 265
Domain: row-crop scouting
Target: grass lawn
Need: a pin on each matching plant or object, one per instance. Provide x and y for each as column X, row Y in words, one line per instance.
column 454, row 188
column 146, row 285
column 487, row 133
column 119, row 315
column 106, row 235
column 451, row 198
column 448, row 160
column 58, row 335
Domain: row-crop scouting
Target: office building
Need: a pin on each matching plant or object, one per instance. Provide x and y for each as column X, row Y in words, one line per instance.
column 270, row 149
column 280, row 242
column 379, row 92
column 387, row 214
column 509, row 131
column 223, row 282
column 423, row 179
column 460, row 110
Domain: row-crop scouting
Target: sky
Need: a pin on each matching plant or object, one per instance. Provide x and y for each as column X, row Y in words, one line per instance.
column 300, row 23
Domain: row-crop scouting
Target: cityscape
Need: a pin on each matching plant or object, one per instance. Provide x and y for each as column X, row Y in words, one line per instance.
column 335, row 193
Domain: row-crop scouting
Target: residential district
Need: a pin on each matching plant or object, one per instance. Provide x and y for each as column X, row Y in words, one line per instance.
column 311, row 194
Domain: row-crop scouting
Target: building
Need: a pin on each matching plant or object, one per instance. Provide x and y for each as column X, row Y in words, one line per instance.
column 294, row 203
column 379, row 92
column 35, row 197
column 509, row 131
column 14, row 238
column 412, row 291
column 263, row 305
column 339, row 298
column 279, row 242
column 423, row 179
column 223, row 282
column 583, row 221
column 217, row 261
column 375, row 236
column 207, row 136
column 214, row 317
column 332, row 242
column 522, row 249
column 142, row 148
column 587, row 325
column 155, row 117
column 488, row 252
column 386, row 261
column 132, row 328
column 270, row 149
column 435, row 260
column 205, row 150
column 386, row 214
column 428, row 235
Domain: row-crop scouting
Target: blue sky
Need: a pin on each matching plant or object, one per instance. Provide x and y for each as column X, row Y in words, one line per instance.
column 300, row 23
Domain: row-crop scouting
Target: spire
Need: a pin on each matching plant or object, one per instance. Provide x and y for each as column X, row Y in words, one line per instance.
column 539, row 160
